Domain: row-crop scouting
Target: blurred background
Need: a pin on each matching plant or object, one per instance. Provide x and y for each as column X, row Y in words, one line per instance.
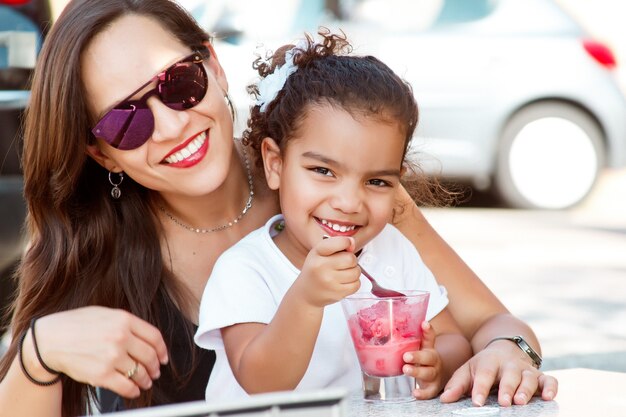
column 522, row 106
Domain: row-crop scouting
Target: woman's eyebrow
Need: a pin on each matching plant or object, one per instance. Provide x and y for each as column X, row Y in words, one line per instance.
column 128, row 98
column 146, row 84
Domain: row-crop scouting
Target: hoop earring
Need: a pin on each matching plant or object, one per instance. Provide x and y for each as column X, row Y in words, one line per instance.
column 229, row 104
column 116, row 193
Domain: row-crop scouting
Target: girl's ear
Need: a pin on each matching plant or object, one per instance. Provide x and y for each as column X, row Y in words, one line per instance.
column 97, row 155
column 214, row 65
column 272, row 162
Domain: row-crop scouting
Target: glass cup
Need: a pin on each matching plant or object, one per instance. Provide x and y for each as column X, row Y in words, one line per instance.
column 382, row 330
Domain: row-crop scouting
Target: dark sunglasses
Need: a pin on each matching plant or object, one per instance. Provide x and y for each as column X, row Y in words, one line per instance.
column 181, row 86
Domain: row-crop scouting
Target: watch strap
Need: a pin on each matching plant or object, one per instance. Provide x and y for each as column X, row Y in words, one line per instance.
column 524, row 346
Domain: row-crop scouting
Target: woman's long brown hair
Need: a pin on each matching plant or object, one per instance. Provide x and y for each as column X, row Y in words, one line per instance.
column 84, row 247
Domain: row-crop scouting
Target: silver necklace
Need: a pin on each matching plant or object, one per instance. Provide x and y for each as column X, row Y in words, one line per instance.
column 226, row 225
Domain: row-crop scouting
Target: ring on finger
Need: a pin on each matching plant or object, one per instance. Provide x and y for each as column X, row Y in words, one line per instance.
column 131, row 372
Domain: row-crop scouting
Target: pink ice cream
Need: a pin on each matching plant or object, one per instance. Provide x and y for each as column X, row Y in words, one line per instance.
column 383, row 332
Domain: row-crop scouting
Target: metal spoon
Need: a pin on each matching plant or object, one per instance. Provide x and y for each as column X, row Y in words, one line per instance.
column 377, row 290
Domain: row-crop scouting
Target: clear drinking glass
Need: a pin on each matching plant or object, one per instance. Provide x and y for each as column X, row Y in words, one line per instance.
column 382, row 330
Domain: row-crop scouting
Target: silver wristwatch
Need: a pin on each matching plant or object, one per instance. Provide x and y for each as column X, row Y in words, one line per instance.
column 522, row 344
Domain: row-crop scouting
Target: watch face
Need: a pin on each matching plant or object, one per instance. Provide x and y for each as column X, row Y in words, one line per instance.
column 529, row 350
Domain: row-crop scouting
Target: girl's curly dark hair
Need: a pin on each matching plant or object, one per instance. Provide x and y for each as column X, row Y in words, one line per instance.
column 327, row 75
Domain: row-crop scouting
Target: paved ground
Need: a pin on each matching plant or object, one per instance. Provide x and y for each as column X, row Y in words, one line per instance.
column 562, row 272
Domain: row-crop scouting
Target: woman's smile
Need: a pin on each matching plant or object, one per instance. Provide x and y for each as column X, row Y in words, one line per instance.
column 189, row 153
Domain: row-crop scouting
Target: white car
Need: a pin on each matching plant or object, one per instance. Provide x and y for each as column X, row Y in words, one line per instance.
column 514, row 95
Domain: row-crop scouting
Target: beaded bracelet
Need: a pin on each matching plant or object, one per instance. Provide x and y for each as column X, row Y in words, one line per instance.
column 20, row 348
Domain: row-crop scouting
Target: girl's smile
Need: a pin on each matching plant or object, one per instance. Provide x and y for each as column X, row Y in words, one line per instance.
column 338, row 228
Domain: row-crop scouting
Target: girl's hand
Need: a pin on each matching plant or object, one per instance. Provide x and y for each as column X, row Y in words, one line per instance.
column 425, row 366
column 505, row 363
column 330, row 272
column 99, row 346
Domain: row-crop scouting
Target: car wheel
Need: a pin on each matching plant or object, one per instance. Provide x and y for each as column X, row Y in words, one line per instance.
column 549, row 158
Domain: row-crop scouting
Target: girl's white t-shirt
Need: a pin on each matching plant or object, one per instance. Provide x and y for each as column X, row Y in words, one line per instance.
column 250, row 279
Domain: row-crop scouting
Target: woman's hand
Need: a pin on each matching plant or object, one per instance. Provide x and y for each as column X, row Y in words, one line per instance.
column 504, row 363
column 425, row 366
column 101, row 347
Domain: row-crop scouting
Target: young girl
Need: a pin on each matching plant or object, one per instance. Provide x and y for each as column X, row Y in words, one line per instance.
column 333, row 132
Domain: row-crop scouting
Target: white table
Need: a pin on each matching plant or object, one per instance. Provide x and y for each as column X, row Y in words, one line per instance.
column 582, row 392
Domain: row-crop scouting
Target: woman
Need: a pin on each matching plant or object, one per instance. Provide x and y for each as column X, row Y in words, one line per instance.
column 134, row 192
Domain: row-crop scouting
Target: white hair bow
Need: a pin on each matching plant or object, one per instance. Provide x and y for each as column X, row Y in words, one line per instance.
column 272, row 83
